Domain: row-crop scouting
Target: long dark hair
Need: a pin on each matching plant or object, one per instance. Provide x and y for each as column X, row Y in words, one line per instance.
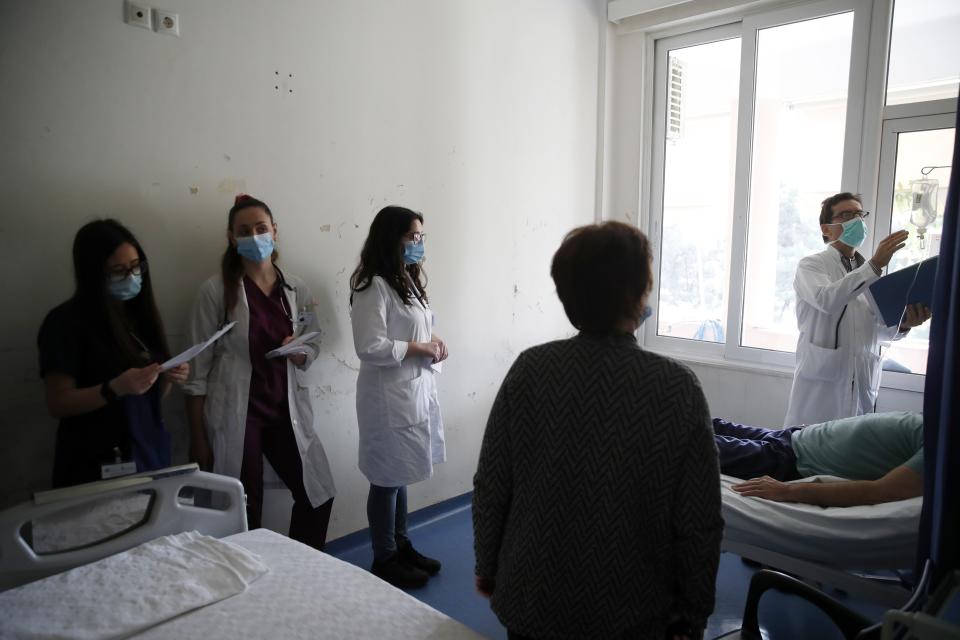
column 382, row 255
column 117, row 321
column 231, row 265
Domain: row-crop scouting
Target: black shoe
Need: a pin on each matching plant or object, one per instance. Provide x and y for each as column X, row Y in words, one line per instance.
column 413, row 558
column 399, row 574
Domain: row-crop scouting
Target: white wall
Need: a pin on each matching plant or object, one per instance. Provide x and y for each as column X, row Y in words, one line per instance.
column 480, row 114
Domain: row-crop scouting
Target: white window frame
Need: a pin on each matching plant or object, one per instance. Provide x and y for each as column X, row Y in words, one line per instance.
column 868, row 158
column 662, row 49
column 747, row 27
column 853, row 134
column 919, row 116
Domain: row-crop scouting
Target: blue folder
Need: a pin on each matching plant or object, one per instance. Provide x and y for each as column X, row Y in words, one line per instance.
column 893, row 292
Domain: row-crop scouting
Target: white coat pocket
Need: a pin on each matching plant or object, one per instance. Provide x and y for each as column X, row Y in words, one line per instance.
column 407, row 402
column 820, row 363
column 309, row 378
column 872, row 373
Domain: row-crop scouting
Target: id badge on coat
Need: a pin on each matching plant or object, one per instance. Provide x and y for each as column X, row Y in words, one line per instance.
column 305, row 316
column 118, row 467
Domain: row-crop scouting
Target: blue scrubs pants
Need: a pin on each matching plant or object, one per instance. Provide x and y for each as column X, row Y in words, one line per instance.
column 750, row 452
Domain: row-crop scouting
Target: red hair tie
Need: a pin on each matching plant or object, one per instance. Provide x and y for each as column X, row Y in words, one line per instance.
column 241, row 197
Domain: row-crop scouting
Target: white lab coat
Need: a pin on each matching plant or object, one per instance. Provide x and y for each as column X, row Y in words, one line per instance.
column 222, row 374
column 401, row 430
column 838, row 371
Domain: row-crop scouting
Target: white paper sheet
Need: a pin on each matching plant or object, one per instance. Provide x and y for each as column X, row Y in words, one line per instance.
column 294, row 346
column 195, row 350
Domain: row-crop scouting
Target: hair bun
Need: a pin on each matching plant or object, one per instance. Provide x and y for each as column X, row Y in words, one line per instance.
column 241, row 197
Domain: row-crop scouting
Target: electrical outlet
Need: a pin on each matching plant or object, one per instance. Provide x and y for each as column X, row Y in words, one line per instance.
column 166, row 22
column 137, row 15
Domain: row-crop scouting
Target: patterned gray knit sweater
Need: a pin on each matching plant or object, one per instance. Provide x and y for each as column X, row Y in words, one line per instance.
column 596, row 501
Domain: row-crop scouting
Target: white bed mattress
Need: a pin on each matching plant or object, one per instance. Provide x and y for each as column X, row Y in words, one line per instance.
column 882, row 536
column 308, row 594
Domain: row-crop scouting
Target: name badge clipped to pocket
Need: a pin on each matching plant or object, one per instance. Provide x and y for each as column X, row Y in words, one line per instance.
column 305, row 318
column 118, row 467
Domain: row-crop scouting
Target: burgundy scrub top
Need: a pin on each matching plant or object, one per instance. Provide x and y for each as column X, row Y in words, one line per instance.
column 269, row 324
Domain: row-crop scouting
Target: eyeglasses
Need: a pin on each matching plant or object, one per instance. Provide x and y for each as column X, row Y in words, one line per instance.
column 121, row 273
column 415, row 237
column 847, row 216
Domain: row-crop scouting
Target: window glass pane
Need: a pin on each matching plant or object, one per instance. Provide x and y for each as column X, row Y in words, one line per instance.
column 924, row 51
column 699, row 162
column 917, row 198
column 798, row 134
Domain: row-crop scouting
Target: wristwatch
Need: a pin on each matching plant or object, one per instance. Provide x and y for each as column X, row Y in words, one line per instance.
column 108, row 394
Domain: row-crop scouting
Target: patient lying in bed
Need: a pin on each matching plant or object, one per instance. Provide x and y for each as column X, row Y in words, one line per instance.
column 880, row 455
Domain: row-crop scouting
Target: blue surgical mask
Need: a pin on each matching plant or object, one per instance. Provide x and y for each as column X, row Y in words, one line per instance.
column 854, row 233
column 256, row 248
column 413, row 252
column 126, row 289
column 647, row 312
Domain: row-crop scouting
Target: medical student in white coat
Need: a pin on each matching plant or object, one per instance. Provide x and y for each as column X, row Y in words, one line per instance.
column 401, row 431
column 838, row 351
column 243, row 406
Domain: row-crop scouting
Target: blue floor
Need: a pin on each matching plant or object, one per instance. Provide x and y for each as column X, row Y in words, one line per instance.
column 445, row 532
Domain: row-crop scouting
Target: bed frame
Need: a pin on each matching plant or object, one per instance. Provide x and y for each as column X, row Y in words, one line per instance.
column 889, row 592
column 166, row 514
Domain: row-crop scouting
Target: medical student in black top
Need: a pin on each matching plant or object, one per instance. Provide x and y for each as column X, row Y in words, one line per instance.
column 99, row 360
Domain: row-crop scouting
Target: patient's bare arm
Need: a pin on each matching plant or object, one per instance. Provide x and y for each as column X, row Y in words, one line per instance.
column 899, row 484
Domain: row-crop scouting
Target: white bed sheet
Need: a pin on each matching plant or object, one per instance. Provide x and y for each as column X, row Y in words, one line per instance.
column 882, row 536
column 308, row 594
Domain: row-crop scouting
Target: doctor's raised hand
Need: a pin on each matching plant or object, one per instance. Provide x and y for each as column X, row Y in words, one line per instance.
column 889, row 246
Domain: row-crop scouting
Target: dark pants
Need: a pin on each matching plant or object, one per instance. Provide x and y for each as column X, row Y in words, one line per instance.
column 279, row 444
column 751, row 452
column 387, row 515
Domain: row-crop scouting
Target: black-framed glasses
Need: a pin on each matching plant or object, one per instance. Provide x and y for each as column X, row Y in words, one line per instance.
column 121, row 273
column 416, row 237
column 847, row 216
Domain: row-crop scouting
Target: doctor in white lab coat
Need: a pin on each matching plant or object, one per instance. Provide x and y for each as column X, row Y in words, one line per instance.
column 838, row 352
column 398, row 414
column 243, row 406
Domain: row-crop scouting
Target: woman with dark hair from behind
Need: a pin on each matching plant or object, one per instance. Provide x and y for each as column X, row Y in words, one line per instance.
column 596, row 505
column 244, row 406
column 398, row 413
column 99, row 360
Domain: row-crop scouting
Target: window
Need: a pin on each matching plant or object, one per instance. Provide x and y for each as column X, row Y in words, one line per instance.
column 912, row 198
column 799, row 115
column 924, row 50
column 700, row 149
column 759, row 120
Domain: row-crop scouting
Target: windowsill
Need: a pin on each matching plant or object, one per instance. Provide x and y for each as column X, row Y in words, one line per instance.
column 891, row 380
column 729, row 365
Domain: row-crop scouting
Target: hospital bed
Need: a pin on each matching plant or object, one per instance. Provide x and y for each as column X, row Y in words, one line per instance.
column 826, row 545
column 288, row 589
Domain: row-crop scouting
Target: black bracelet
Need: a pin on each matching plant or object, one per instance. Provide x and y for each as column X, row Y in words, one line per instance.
column 108, row 394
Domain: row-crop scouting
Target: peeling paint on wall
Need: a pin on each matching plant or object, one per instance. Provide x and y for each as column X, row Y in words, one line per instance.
column 232, row 186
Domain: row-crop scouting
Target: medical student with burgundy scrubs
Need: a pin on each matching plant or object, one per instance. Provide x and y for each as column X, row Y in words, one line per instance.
column 244, row 406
